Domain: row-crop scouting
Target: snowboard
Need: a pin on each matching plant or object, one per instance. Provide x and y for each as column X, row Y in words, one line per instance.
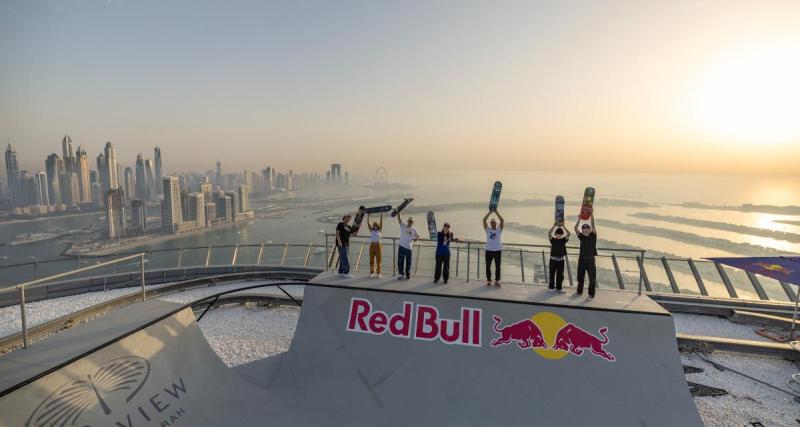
column 559, row 210
column 378, row 209
column 495, row 198
column 357, row 220
column 432, row 225
column 588, row 201
column 402, row 206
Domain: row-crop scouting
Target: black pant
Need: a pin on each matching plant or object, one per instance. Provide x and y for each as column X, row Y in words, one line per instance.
column 493, row 255
column 442, row 268
column 556, row 274
column 587, row 265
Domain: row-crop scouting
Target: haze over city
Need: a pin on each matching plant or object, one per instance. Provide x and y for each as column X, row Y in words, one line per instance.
column 573, row 86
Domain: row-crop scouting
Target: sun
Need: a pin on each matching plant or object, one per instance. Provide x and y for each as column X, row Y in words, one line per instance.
column 751, row 96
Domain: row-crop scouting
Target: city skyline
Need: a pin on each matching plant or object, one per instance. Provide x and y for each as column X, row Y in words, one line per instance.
column 614, row 86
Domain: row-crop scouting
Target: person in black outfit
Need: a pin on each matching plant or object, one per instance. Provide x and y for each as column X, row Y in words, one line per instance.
column 343, row 232
column 443, row 240
column 559, row 237
column 588, row 238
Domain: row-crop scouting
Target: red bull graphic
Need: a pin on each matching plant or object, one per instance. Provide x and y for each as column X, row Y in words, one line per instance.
column 422, row 322
column 525, row 333
column 551, row 337
column 774, row 267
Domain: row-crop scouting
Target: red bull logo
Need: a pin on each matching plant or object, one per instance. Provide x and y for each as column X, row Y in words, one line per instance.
column 420, row 322
column 774, row 267
column 551, row 337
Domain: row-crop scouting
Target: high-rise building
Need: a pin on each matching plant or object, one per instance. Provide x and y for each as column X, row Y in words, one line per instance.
column 234, row 196
column 151, row 182
column 12, row 173
column 244, row 199
column 55, row 168
column 218, row 177
column 27, row 188
column 205, row 188
column 115, row 213
column 211, row 214
column 172, row 214
column 159, row 170
column 142, row 190
column 138, row 217
column 111, row 165
column 42, row 191
column 97, row 195
column 68, row 155
column 70, row 190
column 224, row 207
column 129, row 183
column 102, row 171
column 196, row 212
column 82, row 169
column 336, row 173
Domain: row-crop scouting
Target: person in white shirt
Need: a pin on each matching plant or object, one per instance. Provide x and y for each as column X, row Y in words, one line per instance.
column 375, row 247
column 408, row 234
column 494, row 247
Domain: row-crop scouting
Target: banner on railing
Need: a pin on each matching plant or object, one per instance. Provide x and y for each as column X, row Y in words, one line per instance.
column 785, row 269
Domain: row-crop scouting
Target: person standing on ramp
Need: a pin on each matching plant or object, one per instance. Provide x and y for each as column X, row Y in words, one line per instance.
column 586, row 262
column 559, row 237
column 443, row 240
column 494, row 247
column 408, row 235
column 343, row 245
column 375, row 247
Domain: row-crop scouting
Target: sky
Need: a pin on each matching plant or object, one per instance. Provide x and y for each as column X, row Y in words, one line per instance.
column 606, row 86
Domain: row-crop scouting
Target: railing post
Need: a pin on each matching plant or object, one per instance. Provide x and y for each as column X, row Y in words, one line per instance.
column 458, row 253
column 619, row 273
column 326, row 250
column 641, row 254
column 394, row 256
column 180, row 258
column 568, row 268
column 333, row 254
column 544, row 269
column 261, row 250
column 789, row 291
column 23, row 317
column 698, row 278
column 726, row 281
column 78, row 265
column 522, row 267
column 360, row 253
column 208, row 255
column 141, row 274
column 308, row 254
column 757, row 286
column 285, row 250
column 235, row 254
column 672, row 283
column 478, row 267
column 468, row 257
column 643, row 276
column 416, row 263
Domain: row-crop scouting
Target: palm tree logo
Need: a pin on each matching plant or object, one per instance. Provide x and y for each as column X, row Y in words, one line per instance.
column 66, row 405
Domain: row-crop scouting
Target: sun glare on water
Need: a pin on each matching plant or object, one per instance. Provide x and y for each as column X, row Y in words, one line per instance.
column 751, row 96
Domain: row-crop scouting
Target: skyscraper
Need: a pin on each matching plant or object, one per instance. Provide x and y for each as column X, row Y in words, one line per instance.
column 234, row 196
column 82, row 169
column 97, row 195
column 42, row 191
column 205, row 188
column 12, row 173
column 68, row 154
column 55, row 168
column 196, row 212
column 336, row 173
column 129, row 183
column 211, row 213
column 102, row 170
column 115, row 213
column 111, row 165
column 244, row 199
column 142, row 191
column 218, row 178
column 159, row 171
column 151, row 182
column 171, row 208
column 224, row 207
column 138, row 217
column 70, row 190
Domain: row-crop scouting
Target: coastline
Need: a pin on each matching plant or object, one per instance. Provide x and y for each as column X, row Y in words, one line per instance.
column 46, row 218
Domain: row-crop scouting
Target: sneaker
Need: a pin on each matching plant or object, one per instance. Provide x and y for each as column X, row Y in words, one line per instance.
column 488, row 283
column 371, row 275
column 400, row 277
column 378, row 275
column 496, row 283
column 561, row 291
column 577, row 294
column 591, row 296
column 445, row 282
column 348, row 275
column 436, row 281
column 551, row 289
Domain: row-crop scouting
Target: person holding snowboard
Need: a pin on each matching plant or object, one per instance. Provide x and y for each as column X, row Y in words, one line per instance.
column 375, row 248
column 494, row 247
column 408, row 235
column 586, row 263
column 559, row 236
column 443, row 240
column 343, row 231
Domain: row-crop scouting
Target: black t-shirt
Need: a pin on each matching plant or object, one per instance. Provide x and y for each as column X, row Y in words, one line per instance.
column 344, row 233
column 588, row 245
column 558, row 247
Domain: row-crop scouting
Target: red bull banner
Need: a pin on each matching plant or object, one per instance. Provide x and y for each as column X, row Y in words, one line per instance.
column 785, row 269
column 547, row 334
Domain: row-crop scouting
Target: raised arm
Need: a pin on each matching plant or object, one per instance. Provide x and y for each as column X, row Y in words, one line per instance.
column 576, row 226
column 551, row 230
column 502, row 221
column 399, row 219
column 594, row 229
column 485, row 225
column 566, row 233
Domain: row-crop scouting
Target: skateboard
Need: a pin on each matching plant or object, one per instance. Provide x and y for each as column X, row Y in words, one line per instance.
column 495, row 198
column 432, row 225
column 402, row 206
column 378, row 209
column 359, row 217
column 560, row 210
column 586, row 206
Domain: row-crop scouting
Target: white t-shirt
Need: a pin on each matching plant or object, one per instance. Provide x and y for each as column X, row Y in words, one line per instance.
column 493, row 242
column 374, row 236
column 407, row 235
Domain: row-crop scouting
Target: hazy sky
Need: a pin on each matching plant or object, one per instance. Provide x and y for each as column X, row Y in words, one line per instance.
column 566, row 85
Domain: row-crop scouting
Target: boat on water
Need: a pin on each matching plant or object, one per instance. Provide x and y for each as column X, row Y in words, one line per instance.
column 25, row 238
